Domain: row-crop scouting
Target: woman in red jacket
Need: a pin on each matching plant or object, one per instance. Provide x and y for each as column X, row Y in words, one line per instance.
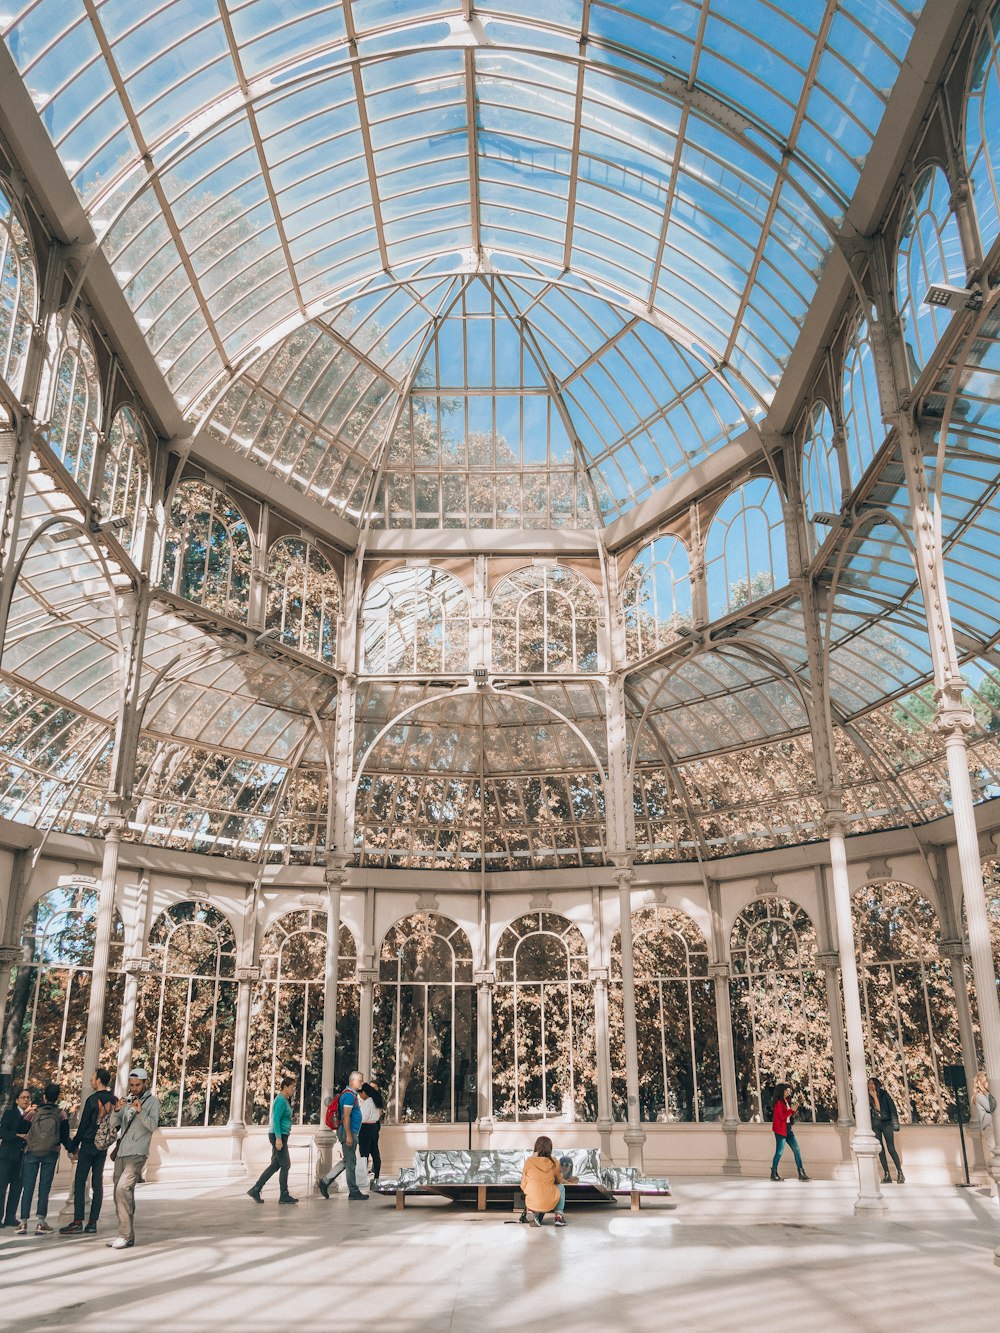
column 781, row 1123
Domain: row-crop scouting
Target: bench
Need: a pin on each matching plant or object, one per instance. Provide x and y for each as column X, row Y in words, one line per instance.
column 483, row 1177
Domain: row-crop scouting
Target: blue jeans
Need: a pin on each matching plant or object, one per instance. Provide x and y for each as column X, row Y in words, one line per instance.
column 779, row 1147
column 560, row 1206
column 349, row 1163
column 42, row 1169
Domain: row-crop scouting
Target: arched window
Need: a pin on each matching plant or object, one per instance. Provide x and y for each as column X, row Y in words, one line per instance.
column 745, row 554
column 208, row 554
column 911, row 1025
column 416, row 619
column 303, row 598
column 286, row 1015
column 75, row 417
column 544, row 1062
column 424, row 1027
column 656, row 597
column 679, row 1076
column 864, row 428
column 821, row 485
column 186, row 1014
column 18, row 292
column 545, row 619
column 126, row 478
column 50, row 995
column 930, row 250
column 982, row 130
column 781, row 1021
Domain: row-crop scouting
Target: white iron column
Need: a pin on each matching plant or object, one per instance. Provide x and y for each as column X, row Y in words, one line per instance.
column 112, row 825
column 334, row 876
column 864, row 1144
column 634, row 1136
column 953, row 720
column 484, row 980
column 135, row 966
column 719, row 971
column 830, row 962
column 247, row 977
column 599, row 980
column 367, row 976
column 721, row 977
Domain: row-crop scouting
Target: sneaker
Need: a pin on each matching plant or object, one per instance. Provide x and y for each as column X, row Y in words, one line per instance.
column 323, row 1188
column 42, row 1227
column 536, row 1219
column 287, row 1198
column 119, row 1243
column 22, row 1228
column 72, row 1229
column 560, row 1220
column 255, row 1195
column 90, row 1228
column 357, row 1195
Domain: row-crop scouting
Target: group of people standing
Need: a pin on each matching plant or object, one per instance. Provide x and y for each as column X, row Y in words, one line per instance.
column 32, row 1136
column 356, row 1116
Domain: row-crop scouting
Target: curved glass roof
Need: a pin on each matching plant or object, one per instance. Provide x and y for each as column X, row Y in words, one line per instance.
column 249, row 169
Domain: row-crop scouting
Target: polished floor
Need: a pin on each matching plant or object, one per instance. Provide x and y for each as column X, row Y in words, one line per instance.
column 730, row 1255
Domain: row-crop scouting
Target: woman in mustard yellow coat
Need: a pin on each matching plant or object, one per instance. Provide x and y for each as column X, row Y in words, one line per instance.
column 542, row 1184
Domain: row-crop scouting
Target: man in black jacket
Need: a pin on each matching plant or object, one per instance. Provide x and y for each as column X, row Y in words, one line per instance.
column 90, row 1158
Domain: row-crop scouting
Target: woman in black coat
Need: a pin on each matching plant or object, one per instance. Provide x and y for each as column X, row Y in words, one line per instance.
column 13, row 1132
column 885, row 1123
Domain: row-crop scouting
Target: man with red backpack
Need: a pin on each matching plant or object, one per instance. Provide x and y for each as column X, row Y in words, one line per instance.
column 49, row 1128
column 344, row 1114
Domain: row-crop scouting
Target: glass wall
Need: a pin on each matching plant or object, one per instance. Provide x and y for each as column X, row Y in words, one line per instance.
column 46, row 1021
column 186, row 1014
column 676, row 1029
column 424, row 1026
column 286, row 1015
column 544, row 1057
column 911, row 1026
column 781, row 1022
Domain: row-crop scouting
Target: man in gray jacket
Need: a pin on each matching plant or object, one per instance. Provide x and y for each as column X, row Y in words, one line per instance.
column 137, row 1114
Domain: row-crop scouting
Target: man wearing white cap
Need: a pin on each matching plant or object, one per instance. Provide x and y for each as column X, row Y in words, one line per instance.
column 137, row 1115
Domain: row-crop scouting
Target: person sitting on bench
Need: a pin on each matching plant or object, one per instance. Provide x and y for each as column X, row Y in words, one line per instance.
column 542, row 1185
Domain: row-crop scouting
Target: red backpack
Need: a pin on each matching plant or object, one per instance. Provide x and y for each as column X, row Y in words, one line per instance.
column 332, row 1117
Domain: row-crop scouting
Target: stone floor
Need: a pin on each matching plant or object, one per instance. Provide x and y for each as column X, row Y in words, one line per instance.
column 731, row 1254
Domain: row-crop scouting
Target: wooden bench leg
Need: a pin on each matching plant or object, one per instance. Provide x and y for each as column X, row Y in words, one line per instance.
column 481, row 1199
column 634, row 1201
column 400, row 1201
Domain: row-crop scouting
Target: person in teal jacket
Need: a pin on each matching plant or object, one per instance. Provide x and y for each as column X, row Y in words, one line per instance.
column 281, row 1125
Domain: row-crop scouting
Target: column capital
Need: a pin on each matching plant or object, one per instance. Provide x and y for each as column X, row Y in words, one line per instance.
column 719, row 971
column 828, row 958
column 113, row 820
column 484, row 979
column 252, row 973
column 954, row 949
column 10, row 953
column 335, row 870
column 367, row 976
column 599, row 974
column 137, row 966
column 954, row 717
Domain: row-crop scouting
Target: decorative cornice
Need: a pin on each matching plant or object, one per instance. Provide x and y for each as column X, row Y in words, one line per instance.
column 719, row 971
column 485, row 978
column 248, row 973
